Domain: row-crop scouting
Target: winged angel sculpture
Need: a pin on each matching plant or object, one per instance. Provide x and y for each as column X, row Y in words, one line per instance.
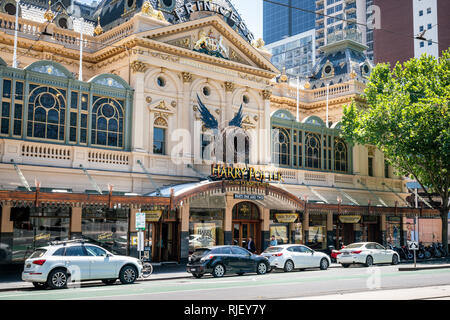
column 221, row 134
column 210, row 121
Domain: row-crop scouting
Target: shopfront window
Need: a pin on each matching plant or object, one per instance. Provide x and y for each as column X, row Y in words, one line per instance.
column 107, row 228
column 36, row 227
column 393, row 227
column 317, row 232
column 205, row 228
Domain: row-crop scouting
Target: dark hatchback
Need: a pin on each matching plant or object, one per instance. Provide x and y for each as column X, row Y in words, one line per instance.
column 220, row 260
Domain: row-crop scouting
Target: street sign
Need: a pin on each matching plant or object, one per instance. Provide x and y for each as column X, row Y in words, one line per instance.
column 413, row 245
column 140, row 220
column 140, row 241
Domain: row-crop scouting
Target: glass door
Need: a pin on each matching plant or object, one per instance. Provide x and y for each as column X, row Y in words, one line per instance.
column 242, row 231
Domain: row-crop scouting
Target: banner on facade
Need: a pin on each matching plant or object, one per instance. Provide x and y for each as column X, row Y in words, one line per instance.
column 316, row 234
column 140, row 220
column 349, row 219
column 286, row 217
column 248, row 196
column 153, row 216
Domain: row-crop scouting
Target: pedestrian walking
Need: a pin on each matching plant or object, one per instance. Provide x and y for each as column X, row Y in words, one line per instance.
column 273, row 242
column 251, row 245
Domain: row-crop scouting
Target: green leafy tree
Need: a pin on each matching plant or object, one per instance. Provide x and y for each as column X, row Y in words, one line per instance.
column 407, row 117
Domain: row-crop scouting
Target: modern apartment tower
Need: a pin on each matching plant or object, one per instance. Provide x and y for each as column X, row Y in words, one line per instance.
column 420, row 26
column 334, row 16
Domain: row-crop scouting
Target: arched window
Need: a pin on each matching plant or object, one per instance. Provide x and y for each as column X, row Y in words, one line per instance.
column 245, row 211
column 340, row 155
column 159, row 136
column 236, row 146
column 312, row 151
column 46, row 113
column 107, row 122
column 281, row 147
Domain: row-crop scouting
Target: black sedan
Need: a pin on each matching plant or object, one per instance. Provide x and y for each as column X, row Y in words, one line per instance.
column 219, row 260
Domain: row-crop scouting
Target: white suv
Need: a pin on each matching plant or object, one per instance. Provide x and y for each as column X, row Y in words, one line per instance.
column 60, row 263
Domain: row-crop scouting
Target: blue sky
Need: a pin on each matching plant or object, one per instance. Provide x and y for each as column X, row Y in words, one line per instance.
column 251, row 11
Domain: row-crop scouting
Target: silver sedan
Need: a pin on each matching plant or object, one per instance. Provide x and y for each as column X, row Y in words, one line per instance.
column 294, row 256
column 366, row 253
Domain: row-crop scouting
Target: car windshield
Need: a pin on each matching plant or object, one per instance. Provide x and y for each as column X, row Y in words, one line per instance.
column 38, row 253
column 354, row 245
column 273, row 249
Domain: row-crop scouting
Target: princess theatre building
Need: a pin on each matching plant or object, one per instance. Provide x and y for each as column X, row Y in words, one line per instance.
column 177, row 112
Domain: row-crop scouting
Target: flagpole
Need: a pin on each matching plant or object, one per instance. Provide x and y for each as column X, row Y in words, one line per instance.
column 298, row 99
column 328, row 85
column 80, row 72
column 14, row 64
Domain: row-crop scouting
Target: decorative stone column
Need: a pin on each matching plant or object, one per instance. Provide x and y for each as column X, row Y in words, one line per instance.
column 229, row 89
column 139, row 68
column 186, row 114
column 265, row 147
column 6, row 231
column 75, row 223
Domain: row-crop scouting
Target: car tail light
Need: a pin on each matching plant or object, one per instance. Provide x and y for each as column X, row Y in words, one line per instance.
column 278, row 254
column 39, row 262
column 357, row 251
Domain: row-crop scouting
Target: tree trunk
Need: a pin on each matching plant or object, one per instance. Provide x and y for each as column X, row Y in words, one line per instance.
column 444, row 218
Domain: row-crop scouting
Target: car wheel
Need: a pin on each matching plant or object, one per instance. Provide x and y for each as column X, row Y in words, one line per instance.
column 57, row 279
column 198, row 275
column 288, row 266
column 324, row 264
column 128, row 275
column 218, row 271
column 394, row 259
column 346, row 265
column 369, row 261
column 109, row 281
column 261, row 268
column 40, row 285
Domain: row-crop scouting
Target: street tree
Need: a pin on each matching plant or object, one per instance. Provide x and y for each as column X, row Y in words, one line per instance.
column 406, row 116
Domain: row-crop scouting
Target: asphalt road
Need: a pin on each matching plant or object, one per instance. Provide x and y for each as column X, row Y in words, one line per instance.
column 276, row 285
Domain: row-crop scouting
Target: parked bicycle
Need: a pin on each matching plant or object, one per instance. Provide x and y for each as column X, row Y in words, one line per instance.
column 147, row 269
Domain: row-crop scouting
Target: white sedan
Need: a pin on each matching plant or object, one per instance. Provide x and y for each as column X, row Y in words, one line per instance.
column 367, row 253
column 291, row 256
column 58, row 264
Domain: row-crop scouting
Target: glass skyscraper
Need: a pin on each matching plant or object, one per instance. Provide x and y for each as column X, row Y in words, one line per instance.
column 282, row 21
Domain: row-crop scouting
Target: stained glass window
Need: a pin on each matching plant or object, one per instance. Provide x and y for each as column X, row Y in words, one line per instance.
column 107, row 122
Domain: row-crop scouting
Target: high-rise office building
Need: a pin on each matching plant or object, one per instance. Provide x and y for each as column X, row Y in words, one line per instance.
column 289, row 33
column 285, row 19
column 419, row 26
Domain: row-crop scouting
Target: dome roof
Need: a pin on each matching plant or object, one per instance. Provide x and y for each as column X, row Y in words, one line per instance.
column 114, row 12
column 341, row 61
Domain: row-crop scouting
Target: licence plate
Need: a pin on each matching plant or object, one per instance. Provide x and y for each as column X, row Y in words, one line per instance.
column 193, row 269
column 346, row 253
